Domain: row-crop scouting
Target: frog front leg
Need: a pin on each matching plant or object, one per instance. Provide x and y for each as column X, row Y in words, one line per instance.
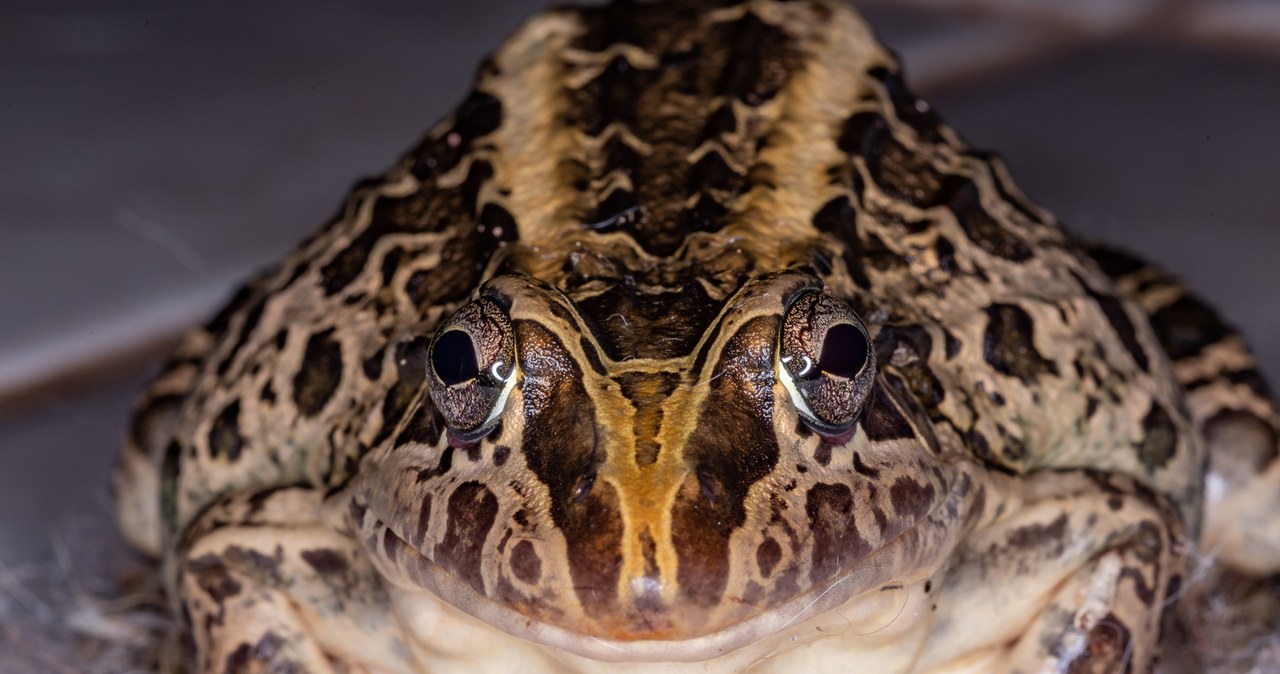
column 267, row 586
column 1073, row 576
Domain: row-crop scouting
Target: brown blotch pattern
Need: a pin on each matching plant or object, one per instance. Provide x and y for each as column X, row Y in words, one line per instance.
column 1008, row 344
column 225, row 439
column 768, row 554
column 319, row 374
column 1049, row 535
column 212, row 575
column 472, row 510
column 836, row 541
column 1160, row 437
column 525, row 563
column 325, row 562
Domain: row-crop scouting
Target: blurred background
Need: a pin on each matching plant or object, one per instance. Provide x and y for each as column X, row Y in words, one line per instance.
column 153, row 153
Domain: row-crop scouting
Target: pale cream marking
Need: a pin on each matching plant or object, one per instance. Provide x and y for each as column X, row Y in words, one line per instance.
column 809, row 112
column 532, row 139
column 588, row 65
column 716, row 146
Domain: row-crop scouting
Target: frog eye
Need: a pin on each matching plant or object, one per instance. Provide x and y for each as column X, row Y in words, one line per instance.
column 472, row 361
column 826, row 363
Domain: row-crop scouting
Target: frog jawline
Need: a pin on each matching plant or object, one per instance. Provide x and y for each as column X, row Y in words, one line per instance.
column 451, row 589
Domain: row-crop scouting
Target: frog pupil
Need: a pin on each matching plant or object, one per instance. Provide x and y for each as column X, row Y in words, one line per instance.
column 454, row 358
column 844, row 351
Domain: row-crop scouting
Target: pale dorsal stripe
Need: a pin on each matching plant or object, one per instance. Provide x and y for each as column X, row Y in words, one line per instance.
column 809, row 113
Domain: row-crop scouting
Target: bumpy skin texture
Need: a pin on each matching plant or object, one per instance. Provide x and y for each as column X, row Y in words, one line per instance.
column 637, row 196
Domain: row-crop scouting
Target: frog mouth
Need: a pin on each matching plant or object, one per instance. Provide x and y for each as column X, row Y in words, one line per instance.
column 909, row 557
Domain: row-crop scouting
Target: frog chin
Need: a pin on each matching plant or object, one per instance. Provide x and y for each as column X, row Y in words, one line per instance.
column 855, row 601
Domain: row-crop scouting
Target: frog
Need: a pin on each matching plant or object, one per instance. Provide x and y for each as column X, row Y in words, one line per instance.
column 693, row 341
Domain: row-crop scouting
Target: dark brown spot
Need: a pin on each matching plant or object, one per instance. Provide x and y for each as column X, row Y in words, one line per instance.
column 525, row 563
column 443, row 466
column 985, row 231
column 479, row 115
column 864, row 469
column 498, row 223
column 372, row 366
column 1037, row 535
column 212, row 575
column 705, row 215
column 390, row 545
column 838, row 217
column 1114, row 262
column 899, row 171
column 1114, row 310
column 1185, row 327
column 649, row 549
column 911, row 500
column 1160, row 438
column 225, row 439
column 1145, row 593
column 952, row 345
column 759, row 61
column 822, row 454
column 836, row 541
column 261, row 567
column 500, row 455
column 268, row 393
column 471, row 511
column 882, row 420
column 1008, row 344
column 424, row 521
column 357, row 511
column 319, row 374
column 768, row 554
column 326, row 562
column 593, row 355
column 238, row 660
column 713, row 172
column 251, row 318
column 593, row 534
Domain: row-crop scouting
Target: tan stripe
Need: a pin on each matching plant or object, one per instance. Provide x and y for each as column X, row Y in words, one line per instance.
column 774, row 221
column 532, row 140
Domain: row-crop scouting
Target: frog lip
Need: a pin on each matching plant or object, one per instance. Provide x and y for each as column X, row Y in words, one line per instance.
column 869, row 575
column 463, row 597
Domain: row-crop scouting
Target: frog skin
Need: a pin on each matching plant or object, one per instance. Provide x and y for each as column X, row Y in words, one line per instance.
column 692, row 341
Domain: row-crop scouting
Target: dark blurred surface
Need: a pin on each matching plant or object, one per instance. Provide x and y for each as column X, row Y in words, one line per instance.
column 153, row 153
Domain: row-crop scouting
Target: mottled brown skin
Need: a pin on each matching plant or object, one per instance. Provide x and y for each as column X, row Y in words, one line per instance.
column 647, row 221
